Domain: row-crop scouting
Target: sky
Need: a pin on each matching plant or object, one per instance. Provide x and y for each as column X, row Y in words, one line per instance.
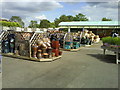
column 29, row 10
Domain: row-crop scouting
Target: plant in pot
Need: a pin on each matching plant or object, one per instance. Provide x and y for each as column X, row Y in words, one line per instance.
column 106, row 41
column 114, row 43
column 117, row 42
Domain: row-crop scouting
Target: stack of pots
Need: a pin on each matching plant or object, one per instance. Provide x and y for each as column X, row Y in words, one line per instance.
column 8, row 45
column 5, row 46
column 42, row 49
column 76, row 45
column 55, row 46
column 11, row 39
column 68, row 45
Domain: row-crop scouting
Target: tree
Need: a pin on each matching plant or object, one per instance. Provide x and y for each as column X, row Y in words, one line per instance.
column 17, row 19
column 106, row 19
column 9, row 24
column 57, row 21
column 33, row 24
column 18, row 25
column 3, row 23
column 80, row 17
column 44, row 23
column 52, row 25
column 63, row 18
column 70, row 18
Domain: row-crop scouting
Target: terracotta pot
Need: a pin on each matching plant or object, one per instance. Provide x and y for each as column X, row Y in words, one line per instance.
column 34, row 50
column 39, row 43
column 56, row 51
column 49, row 50
column 39, row 55
column 44, row 46
column 53, row 54
column 48, row 44
column 45, row 55
column 60, row 52
column 43, row 50
column 55, row 44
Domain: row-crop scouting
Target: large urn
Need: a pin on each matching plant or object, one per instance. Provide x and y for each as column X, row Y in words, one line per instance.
column 34, row 50
column 12, row 45
column 5, row 46
column 39, row 55
column 55, row 44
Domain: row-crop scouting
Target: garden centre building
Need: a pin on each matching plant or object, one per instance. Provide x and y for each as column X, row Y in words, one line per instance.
column 102, row 28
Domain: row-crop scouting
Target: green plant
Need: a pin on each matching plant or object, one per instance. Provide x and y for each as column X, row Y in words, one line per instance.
column 106, row 40
column 117, row 42
column 111, row 40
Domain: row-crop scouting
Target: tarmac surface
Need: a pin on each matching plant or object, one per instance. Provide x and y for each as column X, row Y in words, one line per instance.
column 87, row 68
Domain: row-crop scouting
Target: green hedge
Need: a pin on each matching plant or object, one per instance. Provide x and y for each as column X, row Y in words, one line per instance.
column 9, row 24
column 111, row 40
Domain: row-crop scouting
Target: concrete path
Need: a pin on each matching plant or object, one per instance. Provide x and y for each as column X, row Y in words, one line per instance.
column 87, row 68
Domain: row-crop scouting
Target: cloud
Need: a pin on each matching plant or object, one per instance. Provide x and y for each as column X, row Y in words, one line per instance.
column 27, row 9
column 104, row 4
column 34, row 9
column 41, row 17
column 96, row 11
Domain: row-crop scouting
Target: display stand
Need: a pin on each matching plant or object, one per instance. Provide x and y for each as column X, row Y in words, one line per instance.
column 116, row 50
column 25, row 45
column 68, row 42
column 32, row 59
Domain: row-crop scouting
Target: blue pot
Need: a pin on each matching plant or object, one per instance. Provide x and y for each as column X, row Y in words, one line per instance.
column 67, row 47
column 68, row 43
column 5, row 46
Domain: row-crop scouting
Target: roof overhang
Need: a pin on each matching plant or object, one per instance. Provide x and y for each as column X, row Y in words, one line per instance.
column 89, row 24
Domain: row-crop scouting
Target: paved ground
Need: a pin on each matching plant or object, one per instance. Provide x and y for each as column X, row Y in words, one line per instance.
column 87, row 68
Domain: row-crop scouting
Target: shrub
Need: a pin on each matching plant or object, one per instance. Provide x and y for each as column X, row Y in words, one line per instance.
column 117, row 41
column 111, row 40
column 106, row 40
